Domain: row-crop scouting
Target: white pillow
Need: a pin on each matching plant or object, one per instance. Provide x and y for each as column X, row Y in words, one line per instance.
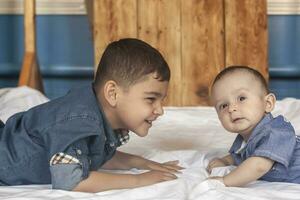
column 18, row 99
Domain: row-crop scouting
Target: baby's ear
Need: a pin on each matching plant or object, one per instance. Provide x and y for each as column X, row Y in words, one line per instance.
column 110, row 92
column 270, row 100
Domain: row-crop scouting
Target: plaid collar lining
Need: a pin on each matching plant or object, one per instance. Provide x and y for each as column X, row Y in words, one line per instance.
column 122, row 135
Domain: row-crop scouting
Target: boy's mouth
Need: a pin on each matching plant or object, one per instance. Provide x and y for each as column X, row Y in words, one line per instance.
column 149, row 121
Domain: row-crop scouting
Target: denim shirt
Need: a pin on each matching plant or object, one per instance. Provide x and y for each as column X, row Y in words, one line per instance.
column 275, row 139
column 73, row 125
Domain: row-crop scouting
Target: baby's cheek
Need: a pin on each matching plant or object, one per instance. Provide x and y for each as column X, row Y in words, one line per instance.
column 223, row 119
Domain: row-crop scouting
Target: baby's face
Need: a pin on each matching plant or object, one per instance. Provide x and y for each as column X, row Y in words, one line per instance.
column 239, row 101
column 141, row 104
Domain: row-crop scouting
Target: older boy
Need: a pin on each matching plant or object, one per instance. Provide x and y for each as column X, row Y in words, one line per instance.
column 266, row 148
column 65, row 141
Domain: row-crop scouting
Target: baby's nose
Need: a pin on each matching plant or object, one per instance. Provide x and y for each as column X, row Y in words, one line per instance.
column 232, row 107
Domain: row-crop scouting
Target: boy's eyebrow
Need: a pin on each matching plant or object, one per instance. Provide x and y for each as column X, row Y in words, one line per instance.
column 157, row 94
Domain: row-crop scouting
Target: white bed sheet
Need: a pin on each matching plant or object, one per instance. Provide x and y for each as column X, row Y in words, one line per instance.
column 192, row 135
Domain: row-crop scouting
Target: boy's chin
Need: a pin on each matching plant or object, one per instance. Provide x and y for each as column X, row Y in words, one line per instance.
column 141, row 133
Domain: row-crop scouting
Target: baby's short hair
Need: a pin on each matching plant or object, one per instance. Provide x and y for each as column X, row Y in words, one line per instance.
column 257, row 75
column 128, row 60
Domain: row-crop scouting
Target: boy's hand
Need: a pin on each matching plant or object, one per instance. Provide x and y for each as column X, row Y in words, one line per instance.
column 215, row 163
column 123, row 160
column 101, row 181
column 170, row 166
column 152, row 177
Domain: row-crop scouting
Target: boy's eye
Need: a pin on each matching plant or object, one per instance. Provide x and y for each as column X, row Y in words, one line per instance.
column 150, row 99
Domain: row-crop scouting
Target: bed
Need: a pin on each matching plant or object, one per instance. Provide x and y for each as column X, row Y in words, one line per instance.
column 191, row 135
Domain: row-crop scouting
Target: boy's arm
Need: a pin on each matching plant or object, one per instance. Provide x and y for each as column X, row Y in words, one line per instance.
column 99, row 181
column 250, row 170
column 123, row 160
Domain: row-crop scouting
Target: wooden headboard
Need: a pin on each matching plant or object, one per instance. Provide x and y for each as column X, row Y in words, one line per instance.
column 197, row 37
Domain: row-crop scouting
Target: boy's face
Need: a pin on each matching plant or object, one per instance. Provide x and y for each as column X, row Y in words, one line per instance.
column 140, row 104
column 240, row 102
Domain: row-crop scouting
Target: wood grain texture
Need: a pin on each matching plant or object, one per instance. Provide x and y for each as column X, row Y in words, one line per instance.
column 89, row 7
column 159, row 25
column 198, row 38
column 247, row 34
column 113, row 20
column 202, row 48
column 30, row 73
column 29, row 25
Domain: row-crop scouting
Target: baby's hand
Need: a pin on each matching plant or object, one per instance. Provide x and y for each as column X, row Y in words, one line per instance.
column 152, row 177
column 219, row 178
column 215, row 163
column 170, row 166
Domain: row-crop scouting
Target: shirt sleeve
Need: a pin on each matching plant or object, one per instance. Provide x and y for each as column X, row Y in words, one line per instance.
column 234, row 148
column 277, row 142
column 70, row 167
column 70, row 137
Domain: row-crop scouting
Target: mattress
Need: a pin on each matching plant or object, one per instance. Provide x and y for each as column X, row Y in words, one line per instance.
column 192, row 135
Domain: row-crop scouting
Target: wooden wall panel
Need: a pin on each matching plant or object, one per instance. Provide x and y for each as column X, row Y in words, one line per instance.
column 198, row 38
column 113, row 20
column 246, row 34
column 202, row 48
column 159, row 25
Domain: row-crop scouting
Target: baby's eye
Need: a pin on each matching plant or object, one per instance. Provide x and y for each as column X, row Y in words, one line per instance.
column 242, row 98
column 223, row 106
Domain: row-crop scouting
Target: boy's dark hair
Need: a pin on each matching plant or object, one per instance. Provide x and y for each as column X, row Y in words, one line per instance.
column 255, row 73
column 128, row 60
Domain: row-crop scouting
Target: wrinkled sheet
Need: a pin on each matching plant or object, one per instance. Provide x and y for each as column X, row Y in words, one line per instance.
column 192, row 135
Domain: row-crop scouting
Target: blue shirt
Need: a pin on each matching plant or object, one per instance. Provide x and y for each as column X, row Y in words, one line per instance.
column 73, row 125
column 275, row 139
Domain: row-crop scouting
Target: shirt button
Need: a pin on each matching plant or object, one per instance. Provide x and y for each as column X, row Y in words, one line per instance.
column 79, row 152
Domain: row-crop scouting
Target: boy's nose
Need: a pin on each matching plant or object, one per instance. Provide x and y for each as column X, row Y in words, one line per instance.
column 158, row 110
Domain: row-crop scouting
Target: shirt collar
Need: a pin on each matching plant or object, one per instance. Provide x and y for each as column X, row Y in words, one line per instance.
column 113, row 137
column 265, row 120
column 238, row 146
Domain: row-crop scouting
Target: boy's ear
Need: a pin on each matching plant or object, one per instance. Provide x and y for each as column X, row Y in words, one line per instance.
column 270, row 100
column 110, row 92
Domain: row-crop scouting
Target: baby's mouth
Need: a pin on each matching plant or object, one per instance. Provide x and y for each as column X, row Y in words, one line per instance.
column 237, row 119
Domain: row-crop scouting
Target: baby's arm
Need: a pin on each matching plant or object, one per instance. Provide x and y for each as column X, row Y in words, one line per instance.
column 220, row 162
column 250, row 170
column 128, row 161
column 100, row 181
